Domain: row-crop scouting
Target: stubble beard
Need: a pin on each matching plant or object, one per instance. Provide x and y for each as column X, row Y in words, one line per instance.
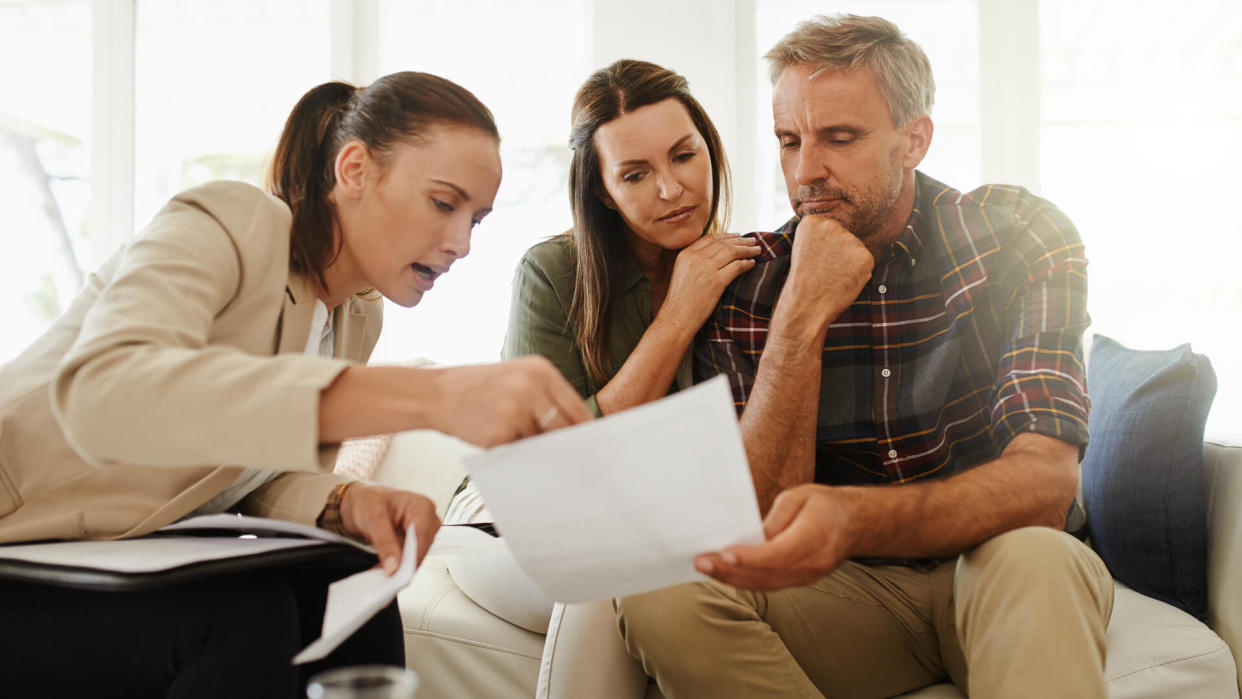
column 865, row 210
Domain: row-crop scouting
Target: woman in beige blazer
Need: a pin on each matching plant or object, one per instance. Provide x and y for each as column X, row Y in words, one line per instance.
column 214, row 364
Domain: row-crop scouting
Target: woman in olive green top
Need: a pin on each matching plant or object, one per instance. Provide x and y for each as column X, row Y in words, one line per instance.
column 616, row 301
column 542, row 291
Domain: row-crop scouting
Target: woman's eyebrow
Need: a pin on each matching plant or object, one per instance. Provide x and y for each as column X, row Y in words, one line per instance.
column 642, row 161
column 460, row 192
column 681, row 142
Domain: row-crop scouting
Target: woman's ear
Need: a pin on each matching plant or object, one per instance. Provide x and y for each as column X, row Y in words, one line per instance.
column 351, row 166
column 602, row 195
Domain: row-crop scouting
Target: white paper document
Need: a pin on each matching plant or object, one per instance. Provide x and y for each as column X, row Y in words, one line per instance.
column 354, row 600
column 623, row 504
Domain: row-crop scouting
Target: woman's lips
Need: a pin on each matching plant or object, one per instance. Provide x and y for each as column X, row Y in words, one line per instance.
column 678, row 215
column 426, row 276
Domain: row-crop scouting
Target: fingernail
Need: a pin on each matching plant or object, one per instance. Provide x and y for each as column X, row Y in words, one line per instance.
column 390, row 565
column 704, row 566
column 729, row 557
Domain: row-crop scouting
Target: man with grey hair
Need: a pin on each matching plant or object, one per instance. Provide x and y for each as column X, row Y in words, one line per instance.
column 907, row 362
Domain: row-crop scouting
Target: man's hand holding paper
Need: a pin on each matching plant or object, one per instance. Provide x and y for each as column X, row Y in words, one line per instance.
column 624, row 504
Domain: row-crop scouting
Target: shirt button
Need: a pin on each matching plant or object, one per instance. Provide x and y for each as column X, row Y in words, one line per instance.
column 885, row 373
column 883, row 289
column 892, row 453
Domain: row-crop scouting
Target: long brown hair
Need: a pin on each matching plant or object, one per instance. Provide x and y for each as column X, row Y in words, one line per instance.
column 599, row 232
column 396, row 108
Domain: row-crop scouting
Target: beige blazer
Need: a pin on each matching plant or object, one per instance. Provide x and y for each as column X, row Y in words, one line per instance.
column 183, row 352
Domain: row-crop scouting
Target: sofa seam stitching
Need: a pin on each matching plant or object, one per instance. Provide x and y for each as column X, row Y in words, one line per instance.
column 468, row 642
column 431, row 607
column 1214, row 651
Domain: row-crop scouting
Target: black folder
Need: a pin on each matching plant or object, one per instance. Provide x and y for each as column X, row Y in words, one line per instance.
column 189, row 550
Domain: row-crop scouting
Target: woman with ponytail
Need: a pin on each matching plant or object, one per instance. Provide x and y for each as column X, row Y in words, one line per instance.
column 213, row 365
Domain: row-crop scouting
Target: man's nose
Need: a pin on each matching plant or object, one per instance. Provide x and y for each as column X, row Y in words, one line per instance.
column 810, row 166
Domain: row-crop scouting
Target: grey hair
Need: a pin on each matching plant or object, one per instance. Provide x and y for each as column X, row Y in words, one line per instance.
column 848, row 42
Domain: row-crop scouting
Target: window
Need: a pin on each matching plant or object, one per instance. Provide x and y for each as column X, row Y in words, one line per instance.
column 1142, row 120
column 1125, row 117
column 45, row 127
column 492, row 48
column 214, row 82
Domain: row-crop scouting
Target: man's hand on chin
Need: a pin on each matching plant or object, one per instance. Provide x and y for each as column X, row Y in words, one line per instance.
column 829, row 264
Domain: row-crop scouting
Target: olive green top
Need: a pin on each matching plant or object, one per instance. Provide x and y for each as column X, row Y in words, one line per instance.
column 539, row 314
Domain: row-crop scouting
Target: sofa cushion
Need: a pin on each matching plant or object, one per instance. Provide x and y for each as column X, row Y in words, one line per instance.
column 485, row 569
column 1155, row 651
column 486, row 572
column 458, row 648
column 426, row 462
column 1142, row 474
column 360, row 458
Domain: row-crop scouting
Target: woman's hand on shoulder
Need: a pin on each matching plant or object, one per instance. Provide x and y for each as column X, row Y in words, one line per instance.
column 490, row 404
column 702, row 271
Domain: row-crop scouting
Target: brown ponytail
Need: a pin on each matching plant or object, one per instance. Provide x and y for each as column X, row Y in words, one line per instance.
column 396, row 108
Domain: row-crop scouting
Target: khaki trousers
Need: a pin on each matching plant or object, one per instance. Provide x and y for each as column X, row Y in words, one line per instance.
column 1021, row 615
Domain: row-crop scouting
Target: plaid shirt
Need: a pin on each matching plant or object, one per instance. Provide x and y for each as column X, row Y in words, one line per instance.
column 968, row 333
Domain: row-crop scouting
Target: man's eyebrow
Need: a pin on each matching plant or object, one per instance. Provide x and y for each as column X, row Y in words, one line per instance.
column 841, row 128
column 460, row 192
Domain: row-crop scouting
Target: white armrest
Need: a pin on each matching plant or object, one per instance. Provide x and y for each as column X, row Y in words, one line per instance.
column 585, row 658
column 1223, row 476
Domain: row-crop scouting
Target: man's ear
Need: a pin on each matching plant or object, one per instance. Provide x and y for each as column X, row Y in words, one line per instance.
column 351, row 166
column 918, row 137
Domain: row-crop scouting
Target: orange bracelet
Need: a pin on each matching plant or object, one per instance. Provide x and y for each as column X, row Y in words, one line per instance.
column 330, row 517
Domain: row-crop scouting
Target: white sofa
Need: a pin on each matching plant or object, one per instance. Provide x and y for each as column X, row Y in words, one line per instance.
column 461, row 650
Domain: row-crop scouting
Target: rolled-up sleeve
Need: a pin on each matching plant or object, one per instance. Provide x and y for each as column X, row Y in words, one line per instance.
column 1040, row 384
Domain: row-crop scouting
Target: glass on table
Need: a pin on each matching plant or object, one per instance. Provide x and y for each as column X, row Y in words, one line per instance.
column 363, row 682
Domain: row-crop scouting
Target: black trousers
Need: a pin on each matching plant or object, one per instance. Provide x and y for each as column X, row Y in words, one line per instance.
column 223, row 636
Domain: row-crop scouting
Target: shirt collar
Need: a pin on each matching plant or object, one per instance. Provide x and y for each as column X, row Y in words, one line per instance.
column 909, row 243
